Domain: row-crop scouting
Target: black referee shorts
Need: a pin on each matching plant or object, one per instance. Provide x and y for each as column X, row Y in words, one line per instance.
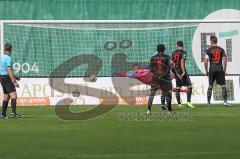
column 219, row 76
column 185, row 81
column 7, row 84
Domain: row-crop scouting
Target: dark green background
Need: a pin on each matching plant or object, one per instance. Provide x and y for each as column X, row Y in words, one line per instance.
column 112, row 9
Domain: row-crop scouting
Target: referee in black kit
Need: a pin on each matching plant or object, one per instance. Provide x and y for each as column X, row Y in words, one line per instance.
column 8, row 82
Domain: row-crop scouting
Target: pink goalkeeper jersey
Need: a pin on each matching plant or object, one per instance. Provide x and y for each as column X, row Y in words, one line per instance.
column 145, row 76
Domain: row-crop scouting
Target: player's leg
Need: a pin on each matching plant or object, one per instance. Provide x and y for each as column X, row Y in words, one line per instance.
column 187, row 82
column 178, row 87
column 163, row 99
column 224, row 94
column 211, row 78
column 5, row 105
column 5, row 85
column 178, row 97
column 209, row 94
column 166, row 86
column 153, row 91
column 13, row 96
column 169, row 100
column 11, row 90
column 189, row 96
column 221, row 81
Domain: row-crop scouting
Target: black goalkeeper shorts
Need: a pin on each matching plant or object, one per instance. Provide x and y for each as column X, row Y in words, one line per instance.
column 7, row 84
column 219, row 76
column 185, row 81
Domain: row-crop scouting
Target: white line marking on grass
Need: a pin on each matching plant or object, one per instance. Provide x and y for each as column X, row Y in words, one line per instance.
column 161, row 154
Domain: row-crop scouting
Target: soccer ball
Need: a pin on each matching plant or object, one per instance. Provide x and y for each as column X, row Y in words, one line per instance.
column 93, row 78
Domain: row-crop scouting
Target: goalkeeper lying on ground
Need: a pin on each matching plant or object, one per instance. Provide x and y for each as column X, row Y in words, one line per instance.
column 144, row 75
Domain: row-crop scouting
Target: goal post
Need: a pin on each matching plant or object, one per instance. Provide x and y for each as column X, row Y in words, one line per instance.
column 108, row 46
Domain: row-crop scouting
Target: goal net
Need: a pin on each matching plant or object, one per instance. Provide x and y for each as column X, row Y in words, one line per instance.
column 39, row 48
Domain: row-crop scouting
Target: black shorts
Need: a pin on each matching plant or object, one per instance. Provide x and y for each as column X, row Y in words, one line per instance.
column 162, row 84
column 185, row 81
column 7, row 84
column 219, row 76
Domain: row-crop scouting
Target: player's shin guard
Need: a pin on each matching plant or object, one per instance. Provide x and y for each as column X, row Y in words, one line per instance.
column 209, row 95
column 14, row 105
column 169, row 100
column 4, row 107
column 163, row 98
column 189, row 94
column 224, row 94
column 178, row 95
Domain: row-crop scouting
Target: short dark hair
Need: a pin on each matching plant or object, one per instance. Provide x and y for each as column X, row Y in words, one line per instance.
column 8, row 47
column 213, row 39
column 160, row 47
column 180, row 43
column 136, row 64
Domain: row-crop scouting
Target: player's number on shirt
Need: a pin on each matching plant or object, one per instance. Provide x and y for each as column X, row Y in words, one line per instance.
column 160, row 67
column 176, row 59
column 25, row 68
column 216, row 55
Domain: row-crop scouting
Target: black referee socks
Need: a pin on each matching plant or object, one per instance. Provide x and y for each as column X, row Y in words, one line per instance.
column 4, row 108
column 14, row 105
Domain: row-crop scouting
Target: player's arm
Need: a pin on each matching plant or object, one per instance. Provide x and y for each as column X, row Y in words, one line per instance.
column 171, row 66
column 11, row 75
column 206, row 60
column 182, row 63
column 119, row 74
column 183, row 68
column 224, row 62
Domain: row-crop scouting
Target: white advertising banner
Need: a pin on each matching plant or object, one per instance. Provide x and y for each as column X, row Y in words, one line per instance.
column 126, row 91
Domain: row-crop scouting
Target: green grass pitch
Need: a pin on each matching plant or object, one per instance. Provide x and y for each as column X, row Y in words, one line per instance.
column 213, row 133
